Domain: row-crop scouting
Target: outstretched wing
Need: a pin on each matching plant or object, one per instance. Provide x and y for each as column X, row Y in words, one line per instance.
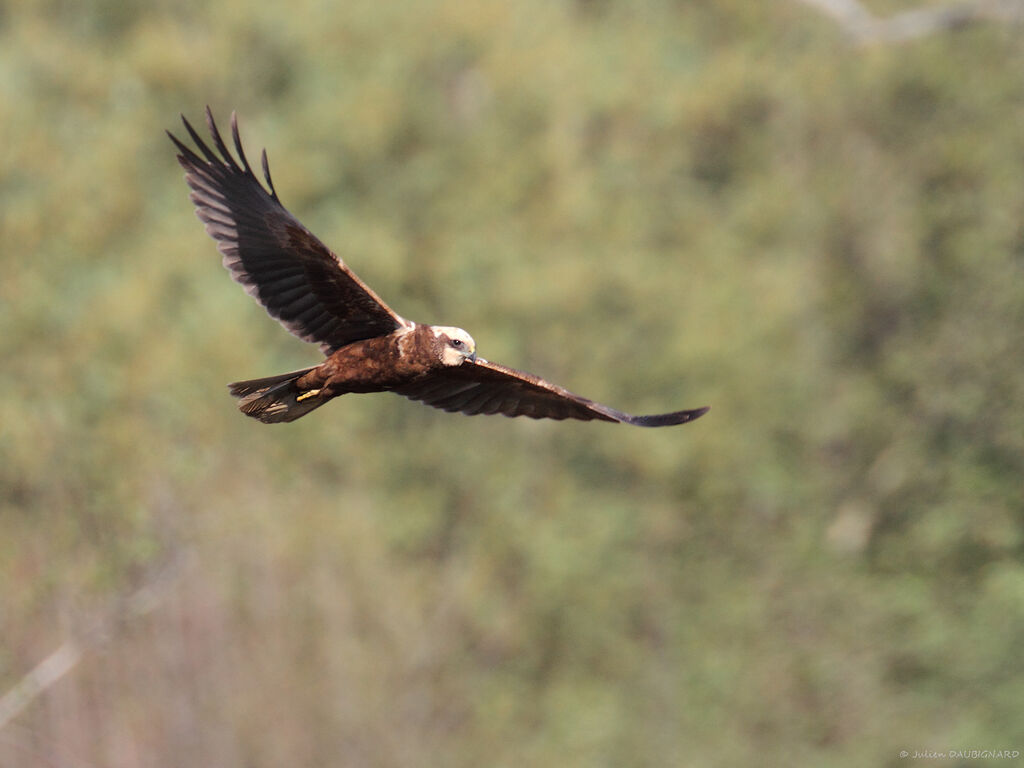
column 482, row 387
column 278, row 261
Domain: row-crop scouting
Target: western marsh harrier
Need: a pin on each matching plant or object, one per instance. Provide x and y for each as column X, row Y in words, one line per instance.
column 369, row 347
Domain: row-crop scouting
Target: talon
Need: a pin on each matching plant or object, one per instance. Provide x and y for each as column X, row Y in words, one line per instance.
column 304, row 395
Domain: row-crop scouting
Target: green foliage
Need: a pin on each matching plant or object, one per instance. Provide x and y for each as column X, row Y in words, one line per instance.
column 658, row 205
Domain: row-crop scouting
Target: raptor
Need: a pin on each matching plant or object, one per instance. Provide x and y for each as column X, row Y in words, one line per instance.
column 368, row 346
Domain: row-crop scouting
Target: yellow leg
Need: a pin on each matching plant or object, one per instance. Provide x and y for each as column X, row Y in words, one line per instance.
column 304, row 395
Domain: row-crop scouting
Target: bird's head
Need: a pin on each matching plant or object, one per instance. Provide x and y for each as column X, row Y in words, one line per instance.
column 455, row 345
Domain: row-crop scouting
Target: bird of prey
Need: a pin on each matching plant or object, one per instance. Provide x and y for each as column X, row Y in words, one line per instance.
column 369, row 347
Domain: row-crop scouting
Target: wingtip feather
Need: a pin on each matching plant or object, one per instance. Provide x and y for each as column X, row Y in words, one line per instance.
column 238, row 143
column 667, row 419
column 266, row 174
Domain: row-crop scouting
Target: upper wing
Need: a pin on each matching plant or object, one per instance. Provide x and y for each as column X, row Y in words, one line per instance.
column 482, row 387
column 277, row 260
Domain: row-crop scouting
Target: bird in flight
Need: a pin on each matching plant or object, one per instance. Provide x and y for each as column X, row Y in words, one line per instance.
column 368, row 346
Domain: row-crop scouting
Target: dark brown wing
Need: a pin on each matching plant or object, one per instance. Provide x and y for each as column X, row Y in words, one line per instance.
column 279, row 262
column 482, row 387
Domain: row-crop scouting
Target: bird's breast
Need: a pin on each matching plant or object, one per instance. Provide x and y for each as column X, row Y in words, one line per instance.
column 380, row 363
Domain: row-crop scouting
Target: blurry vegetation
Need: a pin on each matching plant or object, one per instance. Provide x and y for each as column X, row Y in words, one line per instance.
column 656, row 204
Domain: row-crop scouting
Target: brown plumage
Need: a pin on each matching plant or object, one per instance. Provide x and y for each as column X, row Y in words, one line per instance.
column 369, row 347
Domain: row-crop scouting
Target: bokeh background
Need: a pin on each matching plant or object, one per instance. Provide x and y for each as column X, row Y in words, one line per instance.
column 656, row 204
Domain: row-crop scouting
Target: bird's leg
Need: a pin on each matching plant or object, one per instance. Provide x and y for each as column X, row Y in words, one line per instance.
column 312, row 384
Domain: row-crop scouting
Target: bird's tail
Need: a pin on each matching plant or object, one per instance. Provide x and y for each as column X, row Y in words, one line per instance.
column 276, row 399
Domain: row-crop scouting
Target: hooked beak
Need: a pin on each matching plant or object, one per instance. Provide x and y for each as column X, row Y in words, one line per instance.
column 472, row 357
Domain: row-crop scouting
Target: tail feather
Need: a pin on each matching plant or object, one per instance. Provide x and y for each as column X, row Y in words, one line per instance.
column 275, row 399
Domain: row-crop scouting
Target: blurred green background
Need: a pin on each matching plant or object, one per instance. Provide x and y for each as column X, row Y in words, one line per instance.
column 656, row 204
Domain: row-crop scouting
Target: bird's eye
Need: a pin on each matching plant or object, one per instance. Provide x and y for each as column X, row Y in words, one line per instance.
column 457, row 343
